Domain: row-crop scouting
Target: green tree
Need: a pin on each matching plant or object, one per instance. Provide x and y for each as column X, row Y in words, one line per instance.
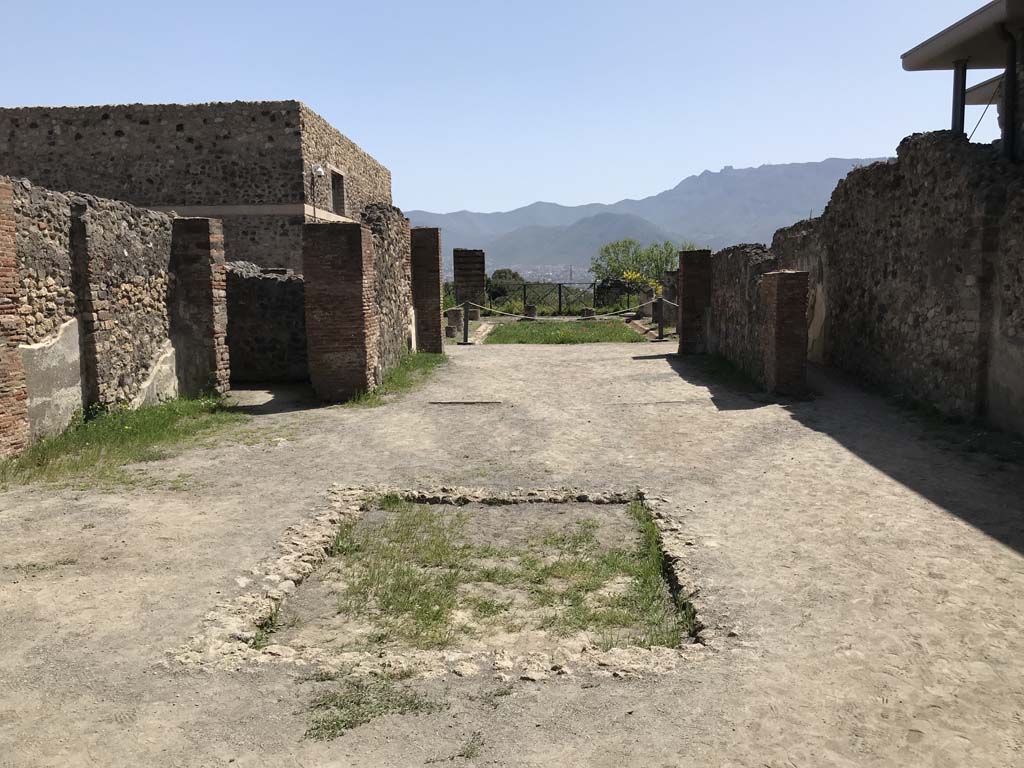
column 615, row 259
column 622, row 256
column 502, row 281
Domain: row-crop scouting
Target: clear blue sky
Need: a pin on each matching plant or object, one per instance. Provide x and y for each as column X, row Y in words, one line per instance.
column 490, row 105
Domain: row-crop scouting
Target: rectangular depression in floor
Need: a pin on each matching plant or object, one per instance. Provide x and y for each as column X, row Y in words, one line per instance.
column 479, row 577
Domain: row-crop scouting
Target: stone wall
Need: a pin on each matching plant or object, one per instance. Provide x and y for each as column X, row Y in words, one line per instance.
column 247, row 163
column 366, row 182
column 392, row 274
column 121, row 257
column 106, row 308
column 342, row 326
column 470, row 276
column 693, row 294
column 160, row 154
column 14, row 423
column 426, row 288
column 798, row 247
column 266, row 324
column 918, row 266
column 749, row 312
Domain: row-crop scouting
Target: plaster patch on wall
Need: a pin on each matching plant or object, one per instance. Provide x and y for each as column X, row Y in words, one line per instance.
column 53, row 376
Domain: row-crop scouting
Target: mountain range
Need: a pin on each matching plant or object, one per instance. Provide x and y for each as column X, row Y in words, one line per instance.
column 712, row 209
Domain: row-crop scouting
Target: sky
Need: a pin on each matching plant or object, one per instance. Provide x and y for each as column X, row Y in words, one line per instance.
column 486, row 105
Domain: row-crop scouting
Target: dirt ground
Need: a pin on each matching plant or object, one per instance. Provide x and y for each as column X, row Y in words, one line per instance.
column 862, row 582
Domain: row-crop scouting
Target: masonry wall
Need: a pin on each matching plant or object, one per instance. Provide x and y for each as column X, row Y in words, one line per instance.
column 751, row 314
column 470, row 276
column 367, row 182
column 266, row 324
column 106, row 308
column 427, row 288
column 160, row 155
column 342, row 326
column 919, row 270
column 14, row 423
column 392, row 275
column 225, row 160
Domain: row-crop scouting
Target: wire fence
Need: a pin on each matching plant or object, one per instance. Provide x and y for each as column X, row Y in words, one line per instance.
column 550, row 299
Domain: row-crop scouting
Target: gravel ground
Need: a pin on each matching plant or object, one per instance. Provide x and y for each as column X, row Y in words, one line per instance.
column 863, row 582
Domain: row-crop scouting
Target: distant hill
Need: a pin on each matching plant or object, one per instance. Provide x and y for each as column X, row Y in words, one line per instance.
column 713, row 209
column 572, row 244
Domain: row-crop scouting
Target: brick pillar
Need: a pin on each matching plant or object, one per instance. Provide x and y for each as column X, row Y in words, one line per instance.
column 198, row 306
column 426, row 288
column 693, row 295
column 784, row 299
column 342, row 325
column 470, row 276
column 14, row 424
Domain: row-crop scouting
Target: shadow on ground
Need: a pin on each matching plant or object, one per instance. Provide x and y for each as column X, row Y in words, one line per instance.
column 266, row 399
column 960, row 467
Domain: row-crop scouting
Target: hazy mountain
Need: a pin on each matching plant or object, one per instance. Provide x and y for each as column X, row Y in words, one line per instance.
column 572, row 244
column 711, row 209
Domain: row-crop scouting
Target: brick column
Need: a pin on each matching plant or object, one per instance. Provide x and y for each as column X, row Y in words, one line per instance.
column 198, row 306
column 470, row 276
column 784, row 299
column 693, row 295
column 14, row 424
column 426, row 288
column 342, row 325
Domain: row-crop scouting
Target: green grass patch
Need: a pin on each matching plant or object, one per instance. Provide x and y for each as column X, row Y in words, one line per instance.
column 568, row 332
column 412, row 573
column 99, row 447
column 360, row 702
column 414, row 368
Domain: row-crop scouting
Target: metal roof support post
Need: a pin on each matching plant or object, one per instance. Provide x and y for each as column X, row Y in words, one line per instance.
column 959, row 95
column 1010, row 128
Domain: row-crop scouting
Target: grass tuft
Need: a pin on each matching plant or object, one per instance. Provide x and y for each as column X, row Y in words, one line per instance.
column 415, row 571
column 360, row 702
column 414, row 368
column 569, row 332
column 99, row 447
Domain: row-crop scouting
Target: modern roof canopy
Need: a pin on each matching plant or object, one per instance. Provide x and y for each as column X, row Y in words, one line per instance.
column 984, row 93
column 976, row 39
column 984, row 40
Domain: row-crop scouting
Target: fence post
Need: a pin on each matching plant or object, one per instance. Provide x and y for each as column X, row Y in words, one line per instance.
column 524, row 296
column 465, row 323
column 559, row 299
column 661, row 318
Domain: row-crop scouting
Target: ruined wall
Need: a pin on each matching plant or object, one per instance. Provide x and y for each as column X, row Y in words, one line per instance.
column 734, row 326
column 121, row 255
column 751, row 314
column 919, row 268
column 799, row 247
column 266, row 324
column 367, row 182
column 470, row 276
column 269, row 241
column 426, row 288
column 14, row 423
column 392, row 272
column 342, row 326
column 106, row 308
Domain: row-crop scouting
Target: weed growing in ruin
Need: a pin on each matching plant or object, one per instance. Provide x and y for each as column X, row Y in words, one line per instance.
column 414, row 368
column 100, row 447
column 267, row 626
column 420, row 581
column 359, row 702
